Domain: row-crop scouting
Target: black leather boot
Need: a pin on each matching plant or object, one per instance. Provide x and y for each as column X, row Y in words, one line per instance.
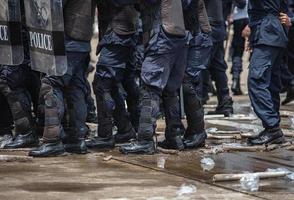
column 289, row 98
column 173, row 138
column 195, row 140
column 225, row 107
column 268, row 136
column 48, row 149
column 27, row 140
column 236, row 87
column 76, row 146
column 101, row 143
column 125, row 137
column 92, row 117
column 141, row 147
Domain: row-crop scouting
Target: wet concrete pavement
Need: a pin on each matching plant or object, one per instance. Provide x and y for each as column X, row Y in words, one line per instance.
column 89, row 177
column 158, row 176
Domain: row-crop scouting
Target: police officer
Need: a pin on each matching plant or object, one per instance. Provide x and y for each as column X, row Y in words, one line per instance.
column 268, row 41
column 197, row 23
column 217, row 65
column 290, row 54
column 240, row 21
column 162, row 74
column 71, row 87
column 13, row 89
column 118, row 41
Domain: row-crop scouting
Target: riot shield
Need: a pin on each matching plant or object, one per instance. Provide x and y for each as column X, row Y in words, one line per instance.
column 11, row 46
column 44, row 19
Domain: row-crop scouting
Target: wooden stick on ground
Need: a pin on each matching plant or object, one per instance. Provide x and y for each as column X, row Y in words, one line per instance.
column 235, row 177
column 13, row 158
column 167, row 151
column 250, row 148
column 220, row 137
column 224, row 132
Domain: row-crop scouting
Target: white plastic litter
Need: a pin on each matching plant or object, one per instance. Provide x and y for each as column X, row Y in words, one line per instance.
column 211, row 130
column 207, row 164
column 292, row 122
column 290, row 174
column 250, row 182
column 161, row 162
column 186, row 189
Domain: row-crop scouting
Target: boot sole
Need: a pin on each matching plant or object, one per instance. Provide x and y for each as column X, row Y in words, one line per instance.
column 52, row 154
column 147, row 152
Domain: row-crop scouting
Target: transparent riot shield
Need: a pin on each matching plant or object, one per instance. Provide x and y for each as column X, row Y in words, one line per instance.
column 44, row 19
column 11, row 46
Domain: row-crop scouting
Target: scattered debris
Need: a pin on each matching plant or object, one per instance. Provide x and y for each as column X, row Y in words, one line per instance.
column 213, row 150
column 161, row 162
column 292, row 122
column 290, row 174
column 167, row 151
column 5, row 140
column 186, row 189
column 216, row 131
column 261, row 175
column 14, row 158
column 207, row 164
column 249, row 127
column 107, row 158
column 221, row 137
column 250, row 182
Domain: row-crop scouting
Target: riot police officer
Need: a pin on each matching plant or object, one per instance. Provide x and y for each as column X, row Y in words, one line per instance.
column 114, row 72
column 162, row 74
column 70, row 87
column 217, row 65
column 196, row 22
column 13, row 88
column 268, row 41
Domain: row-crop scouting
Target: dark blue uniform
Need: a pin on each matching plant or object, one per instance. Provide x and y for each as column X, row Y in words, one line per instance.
column 217, row 65
column 198, row 56
column 71, row 88
column 114, row 79
column 268, row 40
column 162, row 74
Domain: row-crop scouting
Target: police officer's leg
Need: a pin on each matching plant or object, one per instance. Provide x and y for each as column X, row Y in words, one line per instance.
column 174, row 127
column 131, row 86
column 150, row 93
column 195, row 134
column 125, row 131
column 91, row 108
column 218, row 69
column 51, row 97
column 105, row 107
column 264, row 88
column 238, row 49
column 6, row 122
column 12, row 87
column 76, row 93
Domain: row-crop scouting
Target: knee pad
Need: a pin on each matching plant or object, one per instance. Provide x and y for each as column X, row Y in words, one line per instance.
column 21, row 116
